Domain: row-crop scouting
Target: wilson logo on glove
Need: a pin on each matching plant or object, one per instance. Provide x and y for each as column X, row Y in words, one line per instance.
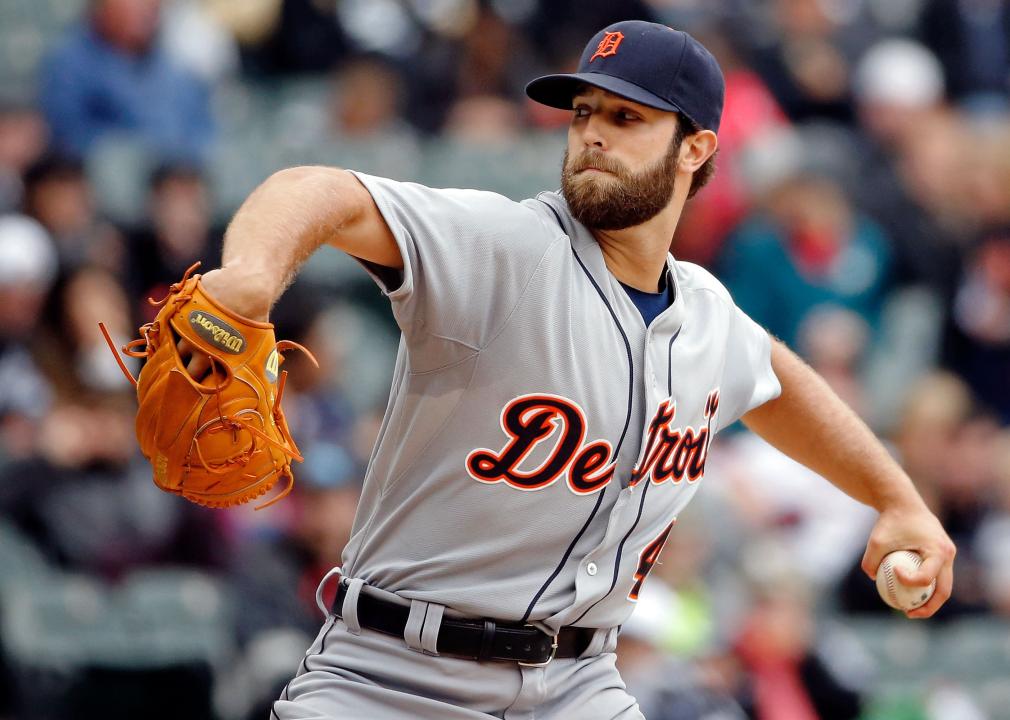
column 217, row 331
column 223, row 441
column 273, row 366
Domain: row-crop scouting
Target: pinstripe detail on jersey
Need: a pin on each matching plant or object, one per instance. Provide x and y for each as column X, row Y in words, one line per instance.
column 564, row 558
column 620, row 442
column 641, row 503
column 620, row 551
column 669, row 366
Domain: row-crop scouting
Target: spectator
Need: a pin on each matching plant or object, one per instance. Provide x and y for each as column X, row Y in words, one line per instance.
column 358, row 122
column 807, row 62
column 993, row 536
column 367, row 100
column 979, row 343
column 777, row 502
column 110, row 75
column 88, row 502
column 71, row 348
column 948, row 444
column 972, row 39
column 668, row 687
column 317, row 409
column 936, row 406
column 484, row 121
column 792, row 679
column 293, row 36
column 27, row 267
column 197, row 38
column 58, row 195
column 750, row 115
column 23, row 139
column 834, row 341
column 326, row 494
column 180, row 233
column 492, row 60
column 809, row 248
column 899, row 87
column 85, row 496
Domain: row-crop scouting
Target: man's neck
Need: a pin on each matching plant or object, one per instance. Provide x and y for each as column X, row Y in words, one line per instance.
column 637, row 255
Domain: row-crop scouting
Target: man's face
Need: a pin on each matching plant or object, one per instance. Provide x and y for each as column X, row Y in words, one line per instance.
column 621, row 161
column 130, row 25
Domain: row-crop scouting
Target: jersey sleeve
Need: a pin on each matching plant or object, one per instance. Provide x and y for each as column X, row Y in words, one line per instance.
column 468, row 257
column 748, row 380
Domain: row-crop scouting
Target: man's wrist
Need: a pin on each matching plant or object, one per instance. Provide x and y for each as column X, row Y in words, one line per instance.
column 900, row 497
column 242, row 290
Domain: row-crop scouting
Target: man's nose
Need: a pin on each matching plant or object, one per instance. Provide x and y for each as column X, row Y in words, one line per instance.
column 593, row 135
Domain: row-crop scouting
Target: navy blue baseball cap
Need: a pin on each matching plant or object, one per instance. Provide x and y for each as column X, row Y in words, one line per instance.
column 649, row 63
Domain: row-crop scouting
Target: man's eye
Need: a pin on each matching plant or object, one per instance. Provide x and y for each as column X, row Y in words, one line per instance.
column 624, row 115
column 581, row 111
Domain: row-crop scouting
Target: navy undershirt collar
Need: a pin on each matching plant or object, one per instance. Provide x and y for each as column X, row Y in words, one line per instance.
column 651, row 305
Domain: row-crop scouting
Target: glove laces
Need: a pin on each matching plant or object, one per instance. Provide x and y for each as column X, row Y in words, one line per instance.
column 144, row 347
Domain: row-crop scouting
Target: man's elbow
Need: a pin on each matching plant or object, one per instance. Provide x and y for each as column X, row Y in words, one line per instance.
column 314, row 175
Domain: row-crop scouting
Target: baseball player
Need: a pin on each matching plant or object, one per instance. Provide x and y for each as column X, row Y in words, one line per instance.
column 559, row 381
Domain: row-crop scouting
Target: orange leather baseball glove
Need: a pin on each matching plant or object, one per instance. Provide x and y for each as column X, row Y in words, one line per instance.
column 223, row 441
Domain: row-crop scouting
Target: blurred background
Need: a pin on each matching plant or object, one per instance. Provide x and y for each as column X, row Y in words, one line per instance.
column 861, row 212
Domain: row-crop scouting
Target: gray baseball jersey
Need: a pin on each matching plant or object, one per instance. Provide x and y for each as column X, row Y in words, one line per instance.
column 539, row 440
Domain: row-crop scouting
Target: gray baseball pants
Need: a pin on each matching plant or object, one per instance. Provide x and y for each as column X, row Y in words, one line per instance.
column 355, row 673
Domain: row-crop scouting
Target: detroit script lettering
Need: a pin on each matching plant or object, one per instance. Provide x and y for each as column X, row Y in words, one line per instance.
column 539, row 419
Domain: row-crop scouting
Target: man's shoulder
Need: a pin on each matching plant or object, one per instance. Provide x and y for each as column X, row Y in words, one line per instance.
column 467, row 205
column 692, row 277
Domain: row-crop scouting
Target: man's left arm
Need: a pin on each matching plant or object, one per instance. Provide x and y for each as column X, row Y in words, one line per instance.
column 812, row 425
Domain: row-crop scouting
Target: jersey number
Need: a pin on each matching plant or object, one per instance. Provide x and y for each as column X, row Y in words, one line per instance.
column 646, row 559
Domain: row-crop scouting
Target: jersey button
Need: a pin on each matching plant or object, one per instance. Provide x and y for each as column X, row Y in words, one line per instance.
column 591, row 568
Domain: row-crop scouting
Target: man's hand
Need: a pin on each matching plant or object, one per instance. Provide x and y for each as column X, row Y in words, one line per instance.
column 236, row 292
column 914, row 528
column 810, row 424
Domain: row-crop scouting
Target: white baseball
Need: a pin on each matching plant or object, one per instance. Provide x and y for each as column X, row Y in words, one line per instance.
column 896, row 593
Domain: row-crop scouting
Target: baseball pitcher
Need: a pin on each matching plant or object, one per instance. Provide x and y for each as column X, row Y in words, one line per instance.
column 559, row 381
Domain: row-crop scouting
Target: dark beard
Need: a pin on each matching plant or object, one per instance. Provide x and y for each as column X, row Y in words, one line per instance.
column 622, row 200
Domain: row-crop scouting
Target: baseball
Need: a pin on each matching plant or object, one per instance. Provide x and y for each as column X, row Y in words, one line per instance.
column 894, row 592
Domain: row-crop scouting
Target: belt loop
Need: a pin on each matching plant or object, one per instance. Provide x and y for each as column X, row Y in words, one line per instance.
column 321, row 588
column 486, row 641
column 610, row 644
column 598, row 642
column 415, row 624
column 349, row 608
column 429, row 630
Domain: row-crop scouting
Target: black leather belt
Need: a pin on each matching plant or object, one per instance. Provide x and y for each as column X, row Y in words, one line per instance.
column 475, row 639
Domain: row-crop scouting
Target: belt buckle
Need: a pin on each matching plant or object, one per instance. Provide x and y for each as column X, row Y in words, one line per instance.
column 545, row 663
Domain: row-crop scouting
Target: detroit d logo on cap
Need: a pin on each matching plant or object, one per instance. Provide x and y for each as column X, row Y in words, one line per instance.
column 608, row 45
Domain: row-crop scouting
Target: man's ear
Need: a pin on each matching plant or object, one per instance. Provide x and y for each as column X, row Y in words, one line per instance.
column 696, row 149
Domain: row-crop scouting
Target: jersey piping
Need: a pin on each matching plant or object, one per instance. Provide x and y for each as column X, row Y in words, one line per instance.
column 620, row 442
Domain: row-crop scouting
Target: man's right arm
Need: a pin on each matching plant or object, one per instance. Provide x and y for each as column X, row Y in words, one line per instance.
column 277, row 228
column 283, row 222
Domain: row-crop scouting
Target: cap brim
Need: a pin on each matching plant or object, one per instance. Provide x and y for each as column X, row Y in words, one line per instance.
column 558, row 90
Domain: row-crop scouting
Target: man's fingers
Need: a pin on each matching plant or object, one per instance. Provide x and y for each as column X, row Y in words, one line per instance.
column 871, row 559
column 944, row 586
column 924, row 575
column 197, row 364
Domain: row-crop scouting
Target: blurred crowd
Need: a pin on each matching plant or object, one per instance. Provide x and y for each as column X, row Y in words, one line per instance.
column 860, row 212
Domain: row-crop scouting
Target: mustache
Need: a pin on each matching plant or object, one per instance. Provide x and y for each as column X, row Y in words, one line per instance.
column 590, row 159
